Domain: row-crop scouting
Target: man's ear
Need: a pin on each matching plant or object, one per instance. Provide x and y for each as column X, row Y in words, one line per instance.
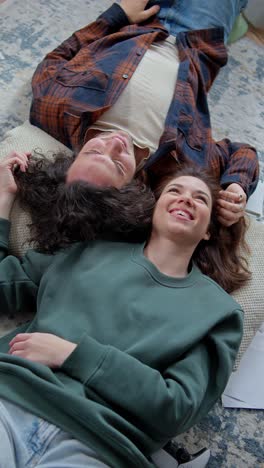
column 143, row 177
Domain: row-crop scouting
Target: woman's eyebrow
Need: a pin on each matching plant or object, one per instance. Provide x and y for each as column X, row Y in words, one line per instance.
column 175, row 185
column 203, row 193
column 182, row 186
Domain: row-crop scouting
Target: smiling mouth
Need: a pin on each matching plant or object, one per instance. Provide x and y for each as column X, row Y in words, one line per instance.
column 182, row 214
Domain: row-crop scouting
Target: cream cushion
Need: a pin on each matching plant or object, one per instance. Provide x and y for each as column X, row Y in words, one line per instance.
column 251, row 296
column 27, row 138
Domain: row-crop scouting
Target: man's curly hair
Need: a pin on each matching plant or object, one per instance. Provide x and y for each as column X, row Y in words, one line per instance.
column 65, row 213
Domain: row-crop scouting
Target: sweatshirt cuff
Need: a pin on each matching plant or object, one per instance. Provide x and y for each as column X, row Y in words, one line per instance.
column 115, row 17
column 4, row 230
column 86, row 359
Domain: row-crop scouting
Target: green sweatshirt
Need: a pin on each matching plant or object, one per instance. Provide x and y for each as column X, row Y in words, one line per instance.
column 154, row 352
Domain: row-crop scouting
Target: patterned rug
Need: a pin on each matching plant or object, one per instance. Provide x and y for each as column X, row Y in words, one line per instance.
column 30, row 29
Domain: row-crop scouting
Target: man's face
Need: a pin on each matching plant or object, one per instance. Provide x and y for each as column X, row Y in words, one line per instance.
column 107, row 160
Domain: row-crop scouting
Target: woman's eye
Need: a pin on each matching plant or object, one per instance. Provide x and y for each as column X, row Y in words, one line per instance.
column 174, row 190
column 202, row 199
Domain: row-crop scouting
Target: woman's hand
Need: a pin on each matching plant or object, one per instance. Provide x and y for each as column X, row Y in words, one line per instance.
column 7, row 166
column 8, row 187
column 231, row 204
column 44, row 348
column 135, row 10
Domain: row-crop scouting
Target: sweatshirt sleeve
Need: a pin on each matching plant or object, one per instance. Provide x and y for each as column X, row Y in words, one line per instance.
column 19, row 278
column 240, row 163
column 165, row 402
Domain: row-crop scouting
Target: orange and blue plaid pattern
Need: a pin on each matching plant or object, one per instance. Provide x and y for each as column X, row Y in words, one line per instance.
column 86, row 74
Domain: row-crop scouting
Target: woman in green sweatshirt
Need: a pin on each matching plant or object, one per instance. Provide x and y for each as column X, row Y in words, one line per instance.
column 130, row 345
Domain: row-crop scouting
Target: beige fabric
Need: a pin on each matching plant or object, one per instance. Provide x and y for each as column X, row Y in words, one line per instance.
column 251, row 296
column 135, row 110
column 26, row 137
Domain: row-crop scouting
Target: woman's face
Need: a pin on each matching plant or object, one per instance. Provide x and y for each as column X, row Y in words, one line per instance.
column 183, row 211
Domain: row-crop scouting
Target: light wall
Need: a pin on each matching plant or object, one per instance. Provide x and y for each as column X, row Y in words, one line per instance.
column 255, row 12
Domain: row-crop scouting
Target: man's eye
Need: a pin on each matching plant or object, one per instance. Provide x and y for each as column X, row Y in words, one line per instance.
column 120, row 167
column 95, row 152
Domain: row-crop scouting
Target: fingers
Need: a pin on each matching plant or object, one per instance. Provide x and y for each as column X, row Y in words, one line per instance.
column 16, row 159
column 17, row 347
column 231, row 207
column 232, row 197
column 17, row 344
column 150, row 12
column 23, row 154
column 231, row 204
column 135, row 10
column 20, row 337
column 227, row 217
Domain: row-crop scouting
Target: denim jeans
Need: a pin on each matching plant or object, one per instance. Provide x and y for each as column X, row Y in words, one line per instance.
column 184, row 15
column 27, row 441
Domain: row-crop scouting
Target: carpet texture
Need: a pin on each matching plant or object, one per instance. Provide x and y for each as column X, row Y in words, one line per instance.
column 30, row 29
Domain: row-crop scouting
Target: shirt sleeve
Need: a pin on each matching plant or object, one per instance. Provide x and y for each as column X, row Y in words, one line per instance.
column 19, row 278
column 240, row 162
column 109, row 22
column 162, row 403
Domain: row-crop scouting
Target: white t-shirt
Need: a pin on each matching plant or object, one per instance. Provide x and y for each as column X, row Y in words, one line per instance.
column 142, row 107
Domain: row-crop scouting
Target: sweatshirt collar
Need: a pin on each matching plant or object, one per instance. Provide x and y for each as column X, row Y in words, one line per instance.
column 169, row 281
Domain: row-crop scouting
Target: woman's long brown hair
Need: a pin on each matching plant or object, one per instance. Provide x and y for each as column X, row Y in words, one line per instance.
column 223, row 256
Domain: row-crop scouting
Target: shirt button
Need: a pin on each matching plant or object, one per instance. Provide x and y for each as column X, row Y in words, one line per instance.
column 139, row 52
column 125, row 76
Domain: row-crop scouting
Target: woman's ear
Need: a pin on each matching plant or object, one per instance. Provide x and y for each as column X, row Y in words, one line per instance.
column 207, row 236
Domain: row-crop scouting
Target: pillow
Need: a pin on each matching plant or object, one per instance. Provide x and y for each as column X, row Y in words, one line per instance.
column 251, row 296
column 27, row 137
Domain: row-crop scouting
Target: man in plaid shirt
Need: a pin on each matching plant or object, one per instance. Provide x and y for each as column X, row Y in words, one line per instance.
column 125, row 95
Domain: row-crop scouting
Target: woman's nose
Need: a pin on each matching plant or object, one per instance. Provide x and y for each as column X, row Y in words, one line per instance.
column 185, row 198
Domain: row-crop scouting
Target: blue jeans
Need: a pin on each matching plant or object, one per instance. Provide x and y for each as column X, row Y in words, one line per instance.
column 27, row 441
column 184, row 15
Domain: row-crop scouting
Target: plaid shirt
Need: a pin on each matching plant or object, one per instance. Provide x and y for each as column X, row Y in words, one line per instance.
column 86, row 74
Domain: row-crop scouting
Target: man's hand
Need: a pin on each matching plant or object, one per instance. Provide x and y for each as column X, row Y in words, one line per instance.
column 44, row 348
column 231, row 204
column 135, row 10
column 8, row 187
